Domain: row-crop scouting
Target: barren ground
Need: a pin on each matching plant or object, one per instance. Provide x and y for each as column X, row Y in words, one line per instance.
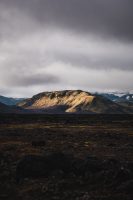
column 107, row 137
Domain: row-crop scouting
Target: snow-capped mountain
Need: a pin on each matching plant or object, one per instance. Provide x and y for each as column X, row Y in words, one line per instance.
column 118, row 96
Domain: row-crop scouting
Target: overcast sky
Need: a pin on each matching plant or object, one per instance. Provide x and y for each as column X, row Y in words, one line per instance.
column 50, row 45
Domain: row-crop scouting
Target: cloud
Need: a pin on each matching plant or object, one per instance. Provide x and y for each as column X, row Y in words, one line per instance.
column 91, row 79
column 65, row 44
column 30, row 80
column 95, row 53
column 105, row 17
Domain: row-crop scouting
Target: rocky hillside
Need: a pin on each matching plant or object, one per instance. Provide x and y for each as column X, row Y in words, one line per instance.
column 71, row 101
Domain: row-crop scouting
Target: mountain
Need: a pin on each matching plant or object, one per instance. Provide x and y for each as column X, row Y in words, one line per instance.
column 3, row 107
column 72, row 101
column 123, row 99
column 118, row 97
column 10, row 109
column 126, row 98
column 10, row 101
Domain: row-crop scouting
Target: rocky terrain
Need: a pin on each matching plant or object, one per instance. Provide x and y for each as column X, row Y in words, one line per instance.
column 66, row 157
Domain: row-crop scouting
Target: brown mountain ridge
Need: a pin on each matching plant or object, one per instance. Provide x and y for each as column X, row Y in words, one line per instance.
column 72, row 101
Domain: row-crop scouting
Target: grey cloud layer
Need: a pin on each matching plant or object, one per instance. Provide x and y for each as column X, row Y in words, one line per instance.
column 107, row 17
column 64, row 44
column 31, row 80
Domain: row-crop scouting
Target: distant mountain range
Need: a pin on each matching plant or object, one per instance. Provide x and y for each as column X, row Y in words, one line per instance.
column 72, row 101
column 10, row 101
column 118, row 97
column 123, row 99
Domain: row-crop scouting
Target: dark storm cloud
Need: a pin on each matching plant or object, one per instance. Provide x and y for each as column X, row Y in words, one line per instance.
column 31, row 80
column 104, row 17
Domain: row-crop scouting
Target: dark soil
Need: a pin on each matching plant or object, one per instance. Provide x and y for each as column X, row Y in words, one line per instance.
column 66, row 157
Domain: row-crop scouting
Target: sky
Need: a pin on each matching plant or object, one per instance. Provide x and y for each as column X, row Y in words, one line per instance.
column 48, row 45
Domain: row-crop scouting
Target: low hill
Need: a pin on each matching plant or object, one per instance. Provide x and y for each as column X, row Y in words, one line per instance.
column 10, row 109
column 10, row 101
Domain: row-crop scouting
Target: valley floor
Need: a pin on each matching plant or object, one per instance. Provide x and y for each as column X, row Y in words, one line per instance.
column 106, row 139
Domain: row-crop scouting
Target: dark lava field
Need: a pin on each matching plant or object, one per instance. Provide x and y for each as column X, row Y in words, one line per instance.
column 66, row 157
